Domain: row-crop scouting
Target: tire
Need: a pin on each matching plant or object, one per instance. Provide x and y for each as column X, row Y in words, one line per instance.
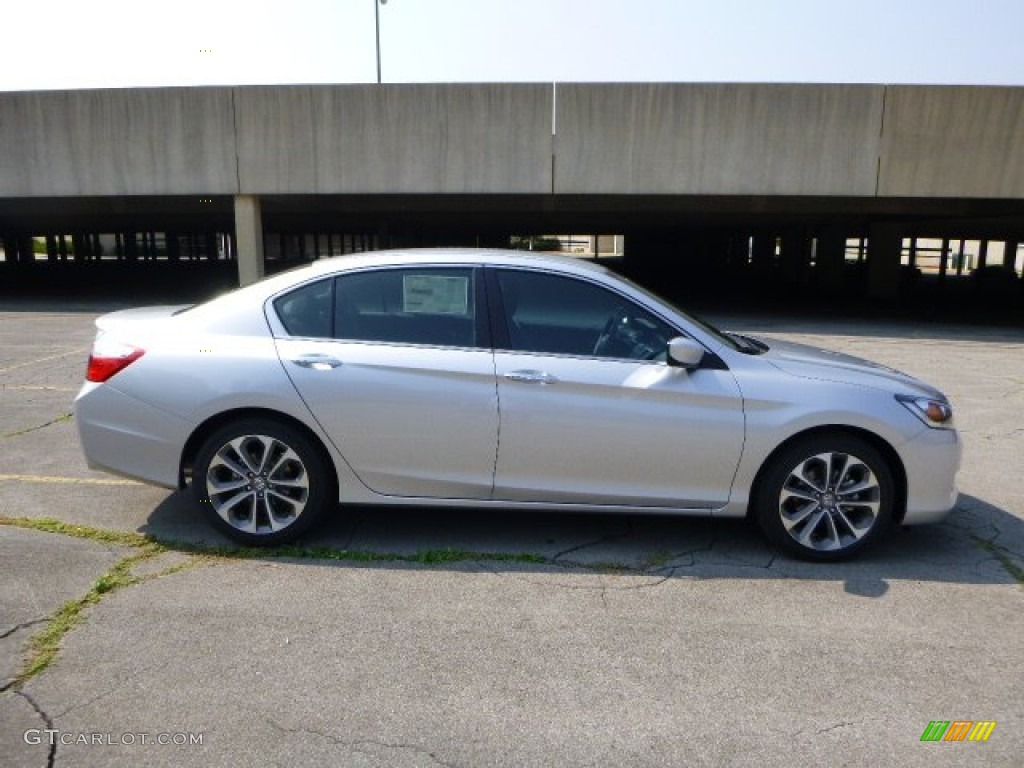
column 261, row 483
column 826, row 497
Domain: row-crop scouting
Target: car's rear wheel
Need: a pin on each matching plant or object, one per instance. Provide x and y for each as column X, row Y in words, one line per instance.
column 261, row 483
column 826, row 497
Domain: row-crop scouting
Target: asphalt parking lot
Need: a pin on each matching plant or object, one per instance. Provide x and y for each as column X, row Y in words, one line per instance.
column 398, row 638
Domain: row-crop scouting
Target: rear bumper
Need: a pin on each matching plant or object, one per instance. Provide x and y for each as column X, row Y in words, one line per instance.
column 127, row 437
column 931, row 459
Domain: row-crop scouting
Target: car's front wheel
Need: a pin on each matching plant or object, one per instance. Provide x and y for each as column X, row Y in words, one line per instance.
column 826, row 497
column 261, row 483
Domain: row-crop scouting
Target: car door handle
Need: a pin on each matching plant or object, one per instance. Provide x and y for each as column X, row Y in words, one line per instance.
column 531, row 377
column 317, row 362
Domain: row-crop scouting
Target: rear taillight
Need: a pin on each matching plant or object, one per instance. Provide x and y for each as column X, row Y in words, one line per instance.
column 108, row 357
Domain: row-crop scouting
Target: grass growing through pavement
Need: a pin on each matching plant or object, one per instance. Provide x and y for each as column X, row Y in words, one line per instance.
column 999, row 554
column 423, row 557
column 50, row 525
column 17, row 433
column 45, row 644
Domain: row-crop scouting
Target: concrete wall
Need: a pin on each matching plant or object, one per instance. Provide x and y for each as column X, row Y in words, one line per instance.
column 718, row 139
column 945, row 141
column 395, row 138
column 117, row 142
column 673, row 139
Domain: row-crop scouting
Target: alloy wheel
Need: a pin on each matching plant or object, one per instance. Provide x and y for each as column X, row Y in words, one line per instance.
column 829, row 501
column 257, row 484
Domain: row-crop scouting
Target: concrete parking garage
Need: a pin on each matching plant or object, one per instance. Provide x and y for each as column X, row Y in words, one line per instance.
column 782, row 189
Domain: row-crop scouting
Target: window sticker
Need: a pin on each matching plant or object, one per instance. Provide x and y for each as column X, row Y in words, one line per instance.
column 435, row 295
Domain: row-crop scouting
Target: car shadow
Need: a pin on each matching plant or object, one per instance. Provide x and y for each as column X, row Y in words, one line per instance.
column 978, row 544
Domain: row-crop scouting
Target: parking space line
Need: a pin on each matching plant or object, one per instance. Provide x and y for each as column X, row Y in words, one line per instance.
column 75, row 351
column 37, row 388
column 56, row 480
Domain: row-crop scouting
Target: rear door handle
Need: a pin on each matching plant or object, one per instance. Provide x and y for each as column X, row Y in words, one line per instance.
column 531, row 377
column 317, row 362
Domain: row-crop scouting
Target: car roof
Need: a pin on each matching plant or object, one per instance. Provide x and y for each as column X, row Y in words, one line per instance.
column 260, row 291
column 491, row 256
column 414, row 256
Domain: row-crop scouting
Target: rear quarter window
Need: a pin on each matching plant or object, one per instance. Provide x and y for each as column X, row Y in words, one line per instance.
column 306, row 311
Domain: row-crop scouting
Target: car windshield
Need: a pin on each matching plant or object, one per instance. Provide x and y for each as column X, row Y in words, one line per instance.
column 731, row 340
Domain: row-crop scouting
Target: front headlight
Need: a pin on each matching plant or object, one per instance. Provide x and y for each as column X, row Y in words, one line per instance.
column 937, row 414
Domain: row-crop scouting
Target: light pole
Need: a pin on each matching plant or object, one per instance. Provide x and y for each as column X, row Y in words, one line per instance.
column 376, row 24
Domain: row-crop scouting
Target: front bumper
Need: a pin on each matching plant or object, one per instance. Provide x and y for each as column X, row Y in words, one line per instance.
column 931, row 460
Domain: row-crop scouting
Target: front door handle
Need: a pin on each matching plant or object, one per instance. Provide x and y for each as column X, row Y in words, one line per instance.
column 317, row 362
column 531, row 377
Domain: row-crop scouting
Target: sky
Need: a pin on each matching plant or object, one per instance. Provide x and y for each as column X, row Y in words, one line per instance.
column 69, row 44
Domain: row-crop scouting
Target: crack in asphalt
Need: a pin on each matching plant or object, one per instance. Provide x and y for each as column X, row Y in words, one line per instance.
column 668, row 571
column 600, row 540
column 114, row 689
column 820, row 731
column 23, row 625
column 19, row 432
column 833, row 727
column 51, row 756
column 1001, row 435
column 1007, row 558
column 715, row 540
column 356, row 745
column 592, row 568
column 353, row 530
column 44, row 657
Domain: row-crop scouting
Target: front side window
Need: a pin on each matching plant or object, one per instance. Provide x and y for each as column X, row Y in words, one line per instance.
column 434, row 306
column 556, row 314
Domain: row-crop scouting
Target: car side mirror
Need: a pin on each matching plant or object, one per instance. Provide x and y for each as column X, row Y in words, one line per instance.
column 684, row 352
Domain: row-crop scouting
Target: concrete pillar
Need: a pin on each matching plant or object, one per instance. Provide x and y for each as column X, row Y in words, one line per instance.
column 830, row 259
column 654, row 255
column 131, row 246
column 173, row 246
column 210, row 247
column 715, row 252
column 884, row 246
column 794, row 256
column 763, row 254
column 23, row 248
column 12, row 248
column 78, row 246
column 249, row 237
column 943, row 259
column 982, row 254
column 1010, row 254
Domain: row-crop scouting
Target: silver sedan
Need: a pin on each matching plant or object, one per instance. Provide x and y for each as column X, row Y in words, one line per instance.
column 496, row 379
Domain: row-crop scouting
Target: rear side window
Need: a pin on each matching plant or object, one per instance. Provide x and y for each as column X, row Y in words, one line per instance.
column 306, row 311
column 435, row 306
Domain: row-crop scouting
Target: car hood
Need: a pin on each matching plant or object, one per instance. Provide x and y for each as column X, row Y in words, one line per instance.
column 827, row 365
